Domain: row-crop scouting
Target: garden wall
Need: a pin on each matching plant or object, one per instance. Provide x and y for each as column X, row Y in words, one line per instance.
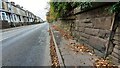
column 92, row 28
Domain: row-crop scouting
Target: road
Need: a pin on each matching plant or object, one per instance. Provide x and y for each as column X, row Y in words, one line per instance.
column 26, row 46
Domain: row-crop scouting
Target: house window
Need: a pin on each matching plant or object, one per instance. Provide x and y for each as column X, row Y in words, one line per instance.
column 19, row 18
column 3, row 16
column 11, row 17
column 14, row 17
column 3, row 7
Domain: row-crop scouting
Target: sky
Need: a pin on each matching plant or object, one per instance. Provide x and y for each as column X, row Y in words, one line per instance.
column 37, row 7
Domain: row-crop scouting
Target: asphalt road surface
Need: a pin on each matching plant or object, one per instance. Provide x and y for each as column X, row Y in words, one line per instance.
column 26, row 46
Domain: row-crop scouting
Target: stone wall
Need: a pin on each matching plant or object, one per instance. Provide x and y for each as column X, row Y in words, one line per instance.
column 115, row 56
column 4, row 24
column 91, row 28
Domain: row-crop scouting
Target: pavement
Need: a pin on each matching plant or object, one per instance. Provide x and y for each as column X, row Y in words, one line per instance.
column 69, row 57
column 26, row 46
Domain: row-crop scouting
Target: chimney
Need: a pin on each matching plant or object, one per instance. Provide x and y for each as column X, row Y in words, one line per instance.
column 18, row 6
column 5, row 0
column 13, row 3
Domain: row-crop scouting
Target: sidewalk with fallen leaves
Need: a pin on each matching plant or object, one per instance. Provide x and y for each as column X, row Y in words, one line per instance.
column 75, row 54
column 53, row 54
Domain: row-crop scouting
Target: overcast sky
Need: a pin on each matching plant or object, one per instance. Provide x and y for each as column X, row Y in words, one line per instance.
column 35, row 6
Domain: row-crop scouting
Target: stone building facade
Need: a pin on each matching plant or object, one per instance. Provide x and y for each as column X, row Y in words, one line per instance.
column 14, row 15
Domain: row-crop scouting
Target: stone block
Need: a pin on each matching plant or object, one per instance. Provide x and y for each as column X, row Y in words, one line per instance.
column 77, row 21
column 118, row 29
column 98, row 43
column 81, row 29
column 75, row 34
column 104, row 34
column 102, row 22
column 89, row 25
column 116, row 55
column 117, row 51
column 88, row 46
column 81, row 24
column 91, row 31
column 99, row 53
column 84, row 35
column 116, row 42
column 83, row 40
column 76, row 28
column 117, row 46
column 117, row 38
column 114, row 60
column 86, row 21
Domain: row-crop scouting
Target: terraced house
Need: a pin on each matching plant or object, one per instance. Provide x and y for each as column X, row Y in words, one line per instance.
column 12, row 15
